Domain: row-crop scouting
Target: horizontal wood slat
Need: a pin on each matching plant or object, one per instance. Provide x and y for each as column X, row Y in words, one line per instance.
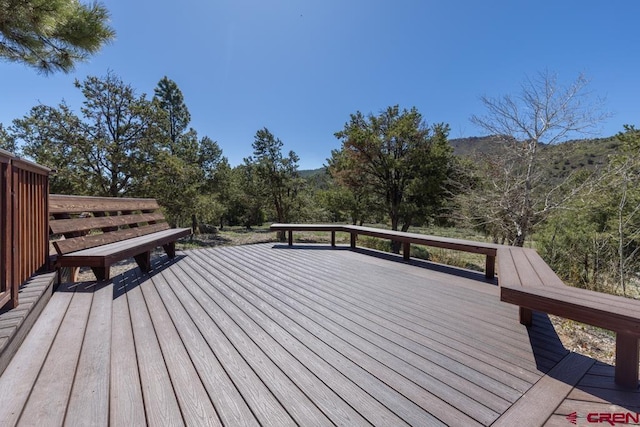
column 85, row 242
column 109, row 230
column 77, row 204
column 62, row 226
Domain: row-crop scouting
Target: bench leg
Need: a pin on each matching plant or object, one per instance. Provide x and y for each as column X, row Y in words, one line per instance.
column 353, row 240
column 627, row 361
column 333, row 238
column 490, row 267
column 102, row 273
column 144, row 261
column 526, row 316
column 406, row 250
column 68, row 274
column 290, row 237
column 170, row 249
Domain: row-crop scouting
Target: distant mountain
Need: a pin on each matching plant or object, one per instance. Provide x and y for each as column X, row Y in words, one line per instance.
column 560, row 159
column 475, row 145
column 308, row 173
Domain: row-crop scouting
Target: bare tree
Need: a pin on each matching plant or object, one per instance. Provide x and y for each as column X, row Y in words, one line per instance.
column 544, row 112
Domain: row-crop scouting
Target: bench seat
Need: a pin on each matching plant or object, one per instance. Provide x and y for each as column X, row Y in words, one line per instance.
column 100, row 258
column 527, row 281
column 487, row 249
column 99, row 231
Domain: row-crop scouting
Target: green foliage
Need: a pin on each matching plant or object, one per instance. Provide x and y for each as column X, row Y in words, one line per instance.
column 7, row 142
column 595, row 242
column 171, row 100
column 120, row 134
column 395, row 161
column 53, row 137
column 275, row 177
column 52, row 35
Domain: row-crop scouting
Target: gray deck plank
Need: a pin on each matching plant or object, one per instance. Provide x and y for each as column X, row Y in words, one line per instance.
column 432, row 322
column 92, row 372
column 347, row 390
column 160, row 402
column 477, row 402
column 269, row 335
column 192, row 397
column 357, row 365
column 231, row 407
column 504, row 336
column 539, row 404
column 126, row 405
column 22, row 372
column 225, row 340
column 298, row 405
column 458, row 358
column 50, row 395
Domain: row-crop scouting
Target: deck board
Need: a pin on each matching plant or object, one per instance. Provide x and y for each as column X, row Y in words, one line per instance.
column 270, row 335
column 161, row 403
column 93, row 370
column 385, row 354
column 125, row 401
column 22, row 372
column 50, row 395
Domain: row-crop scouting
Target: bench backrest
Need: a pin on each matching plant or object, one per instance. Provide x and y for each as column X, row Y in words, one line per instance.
column 87, row 222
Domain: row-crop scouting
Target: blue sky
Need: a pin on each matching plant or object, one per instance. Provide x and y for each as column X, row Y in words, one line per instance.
column 300, row 67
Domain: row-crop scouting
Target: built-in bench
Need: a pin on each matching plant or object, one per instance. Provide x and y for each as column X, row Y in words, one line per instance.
column 526, row 280
column 487, row 249
column 100, row 231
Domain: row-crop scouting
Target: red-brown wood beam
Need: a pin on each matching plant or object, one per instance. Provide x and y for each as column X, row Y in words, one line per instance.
column 627, row 361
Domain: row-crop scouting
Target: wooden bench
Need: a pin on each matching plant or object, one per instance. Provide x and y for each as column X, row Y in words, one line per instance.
column 487, row 249
column 527, row 281
column 99, row 231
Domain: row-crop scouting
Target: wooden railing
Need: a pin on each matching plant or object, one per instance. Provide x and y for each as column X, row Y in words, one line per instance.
column 24, row 223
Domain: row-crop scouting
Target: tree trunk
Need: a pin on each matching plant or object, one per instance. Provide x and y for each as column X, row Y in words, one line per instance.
column 395, row 246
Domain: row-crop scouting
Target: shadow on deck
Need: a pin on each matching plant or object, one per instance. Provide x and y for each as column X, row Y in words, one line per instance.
column 275, row 335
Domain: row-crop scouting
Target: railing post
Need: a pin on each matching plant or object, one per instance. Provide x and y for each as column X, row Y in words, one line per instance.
column 406, row 250
column 24, row 229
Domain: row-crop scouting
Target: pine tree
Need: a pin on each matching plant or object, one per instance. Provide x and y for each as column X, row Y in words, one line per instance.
column 52, row 35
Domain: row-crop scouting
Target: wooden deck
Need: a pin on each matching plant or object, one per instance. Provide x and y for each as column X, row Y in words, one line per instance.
column 309, row 335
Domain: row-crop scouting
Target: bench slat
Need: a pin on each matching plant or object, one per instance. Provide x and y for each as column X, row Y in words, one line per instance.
column 546, row 274
column 105, row 255
column 84, row 242
column 62, row 226
column 59, row 204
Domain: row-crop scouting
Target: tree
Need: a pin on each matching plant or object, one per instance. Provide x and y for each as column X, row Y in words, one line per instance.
column 52, row 35
column 7, row 142
column 107, row 152
column 51, row 136
column 354, row 193
column 172, row 102
column 399, row 159
column 278, row 174
column 625, row 186
column 121, row 133
column 543, row 112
